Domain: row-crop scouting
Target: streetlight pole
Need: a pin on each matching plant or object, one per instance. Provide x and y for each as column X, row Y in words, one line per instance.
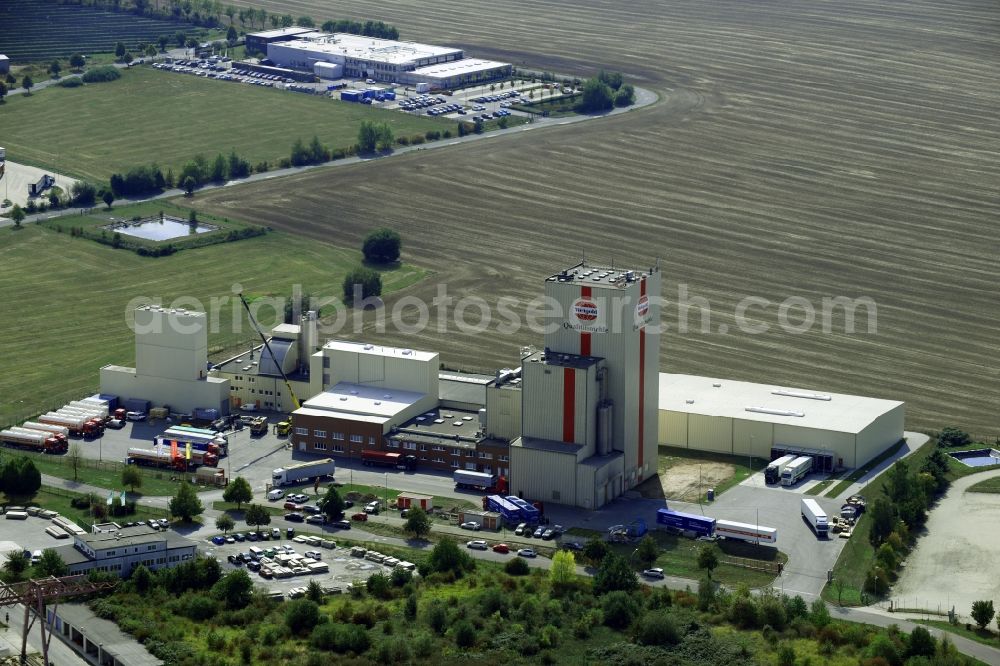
column 387, row 497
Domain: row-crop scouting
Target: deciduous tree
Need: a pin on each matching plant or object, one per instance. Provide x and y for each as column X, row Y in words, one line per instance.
column 256, row 516
column 382, row 246
column 982, row 613
column 74, row 458
column 708, row 559
column 238, row 491
column 417, row 523
column 185, row 504
column 225, row 523
column 333, row 503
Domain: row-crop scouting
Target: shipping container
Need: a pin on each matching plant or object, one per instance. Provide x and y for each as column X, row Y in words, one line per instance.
column 500, row 504
column 350, row 95
column 136, row 405
column 529, row 513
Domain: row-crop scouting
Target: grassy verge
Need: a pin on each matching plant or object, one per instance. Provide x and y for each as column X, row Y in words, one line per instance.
column 825, row 483
column 59, row 500
column 864, row 469
column 584, row 533
column 157, row 104
column 107, row 475
column 62, row 361
column 986, row 486
column 958, row 470
column 974, row 633
column 679, row 557
column 230, row 507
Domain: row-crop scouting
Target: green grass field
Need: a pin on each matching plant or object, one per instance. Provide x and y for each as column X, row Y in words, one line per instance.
column 149, row 115
column 69, row 301
column 864, row 469
column 59, row 501
column 986, row 486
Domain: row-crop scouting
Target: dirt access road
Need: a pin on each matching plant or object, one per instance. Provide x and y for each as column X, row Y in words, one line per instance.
column 956, row 562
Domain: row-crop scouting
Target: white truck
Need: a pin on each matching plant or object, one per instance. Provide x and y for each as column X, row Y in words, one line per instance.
column 284, row 476
column 48, row 427
column 796, row 470
column 813, row 514
column 772, row 473
column 473, row 480
column 89, row 406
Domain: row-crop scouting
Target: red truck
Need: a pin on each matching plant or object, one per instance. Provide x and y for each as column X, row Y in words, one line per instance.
column 397, row 460
column 153, row 458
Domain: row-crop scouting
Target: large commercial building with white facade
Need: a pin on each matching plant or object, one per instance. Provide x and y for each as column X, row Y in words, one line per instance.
column 385, row 60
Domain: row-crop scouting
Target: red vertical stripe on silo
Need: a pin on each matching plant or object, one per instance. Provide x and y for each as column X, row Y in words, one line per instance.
column 585, row 337
column 569, row 404
column 642, row 378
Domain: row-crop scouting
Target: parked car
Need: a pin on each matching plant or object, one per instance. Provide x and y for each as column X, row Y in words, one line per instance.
column 519, row 530
column 501, row 548
column 361, row 517
column 289, row 532
column 316, row 519
column 527, row 552
column 314, row 554
column 371, row 507
column 219, row 540
column 470, row 525
column 655, row 572
column 573, row 545
column 116, row 424
column 478, row 544
column 292, row 506
column 135, row 416
column 299, row 498
column 539, row 531
column 310, row 508
column 548, row 534
column 253, row 566
column 342, row 524
column 275, row 495
column 294, row 517
column 239, row 536
column 275, row 533
column 234, row 560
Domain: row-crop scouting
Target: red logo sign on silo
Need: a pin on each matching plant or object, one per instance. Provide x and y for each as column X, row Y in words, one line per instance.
column 585, row 310
column 642, row 307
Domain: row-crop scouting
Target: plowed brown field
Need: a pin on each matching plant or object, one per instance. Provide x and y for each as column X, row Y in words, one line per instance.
column 802, row 148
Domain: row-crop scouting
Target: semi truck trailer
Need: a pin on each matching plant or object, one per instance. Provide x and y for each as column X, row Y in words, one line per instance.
column 154, row 458
column 78, row 426
column 306, row 471
column 745, row 532
column 772, row 473
column 36, row 441
column 796, row 470
column 686, row 522
column 397, row 460
column 199, row 441
column 204, row 432
column 47, row 427
column 814, row 515
column 31, row 431
column 474, row 480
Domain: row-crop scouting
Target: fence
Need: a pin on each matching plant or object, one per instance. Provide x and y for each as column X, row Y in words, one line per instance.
column 757, row 565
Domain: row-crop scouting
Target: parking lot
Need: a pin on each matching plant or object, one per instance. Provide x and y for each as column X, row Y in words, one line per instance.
column 27, row 535
column 284, row 565
column 473, row 104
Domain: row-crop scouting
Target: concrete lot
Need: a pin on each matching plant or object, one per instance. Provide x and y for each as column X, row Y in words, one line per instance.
column 956, row 562
column 28, row 534
column 17, row 177
column 254, row 458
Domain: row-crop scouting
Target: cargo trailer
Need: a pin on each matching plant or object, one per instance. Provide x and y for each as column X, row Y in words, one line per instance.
column 529, row 512
column 500, row 504
column 473, row 480
column 686, row 522
column 816, row 517
column 745, row 532
column 397, row 460
column 101, row 409
column 306, row 471
column 35, row 440
column 63, row 439
column 154, row 458
column 796, row 470
column 48, row 427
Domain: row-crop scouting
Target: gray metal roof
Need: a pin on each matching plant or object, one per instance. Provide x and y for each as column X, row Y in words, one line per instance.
column 112, row 640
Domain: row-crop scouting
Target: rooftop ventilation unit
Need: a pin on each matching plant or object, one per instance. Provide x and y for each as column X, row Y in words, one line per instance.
column 369, row 347
column 802, row 394
column 387, row 396
column 775, row 412
column 689, row 401
column 407, row 352
column 716, row 384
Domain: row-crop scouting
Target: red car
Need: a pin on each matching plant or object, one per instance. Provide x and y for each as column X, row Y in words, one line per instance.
column 501, row 548
column 292, row 506
column 361, row 517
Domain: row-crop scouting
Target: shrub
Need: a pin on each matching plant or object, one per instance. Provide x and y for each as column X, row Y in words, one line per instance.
column 403, row 141
column 743, row 612
column 342, row 638
column 301, row 615
column 883, row 646
column 378, row 586
column 658, row 629
column 437, row 616
column 71, row 82
column 417, row 139
column 620, row 609
column 432, row 135
column 102, row 74
column 517, row 567
column 464, row 634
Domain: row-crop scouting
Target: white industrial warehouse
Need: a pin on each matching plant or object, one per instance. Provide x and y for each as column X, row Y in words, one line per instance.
column 342, row 54
column 744, row 418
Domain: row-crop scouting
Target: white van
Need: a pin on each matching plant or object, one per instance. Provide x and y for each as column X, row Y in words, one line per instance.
column 256, row 553
column 275, row 495
column 36, row 556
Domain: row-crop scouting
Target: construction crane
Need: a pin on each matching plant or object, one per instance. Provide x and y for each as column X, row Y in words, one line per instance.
column 284, row 427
